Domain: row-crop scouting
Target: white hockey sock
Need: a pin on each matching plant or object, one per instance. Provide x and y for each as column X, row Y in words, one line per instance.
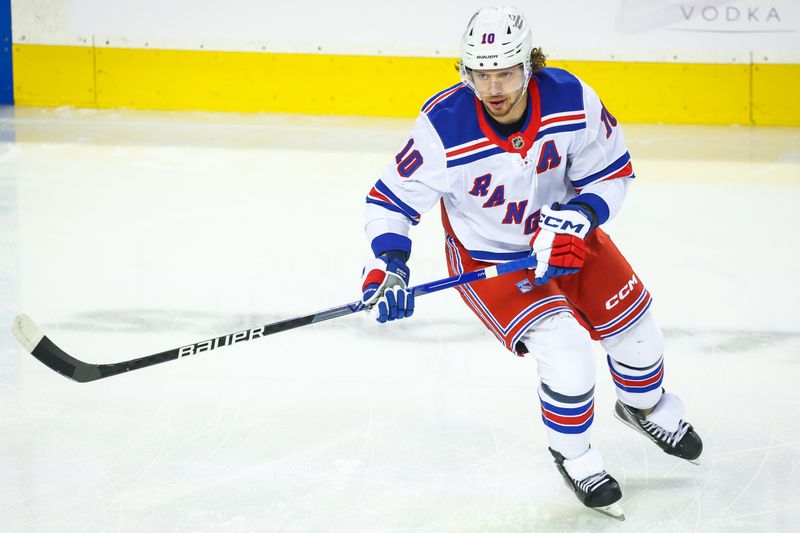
column 668, row 413
column 588, row 464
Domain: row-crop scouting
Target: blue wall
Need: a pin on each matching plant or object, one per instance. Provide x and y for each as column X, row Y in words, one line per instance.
column 6, row 71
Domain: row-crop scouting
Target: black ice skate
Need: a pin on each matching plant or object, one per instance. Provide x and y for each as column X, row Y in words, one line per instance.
column 598, row 491
column 682, row 442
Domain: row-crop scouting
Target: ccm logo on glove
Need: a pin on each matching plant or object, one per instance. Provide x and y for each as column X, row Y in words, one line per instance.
column 578, row 228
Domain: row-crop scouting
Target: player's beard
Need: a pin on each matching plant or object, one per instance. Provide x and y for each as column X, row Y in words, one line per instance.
column 511, row 104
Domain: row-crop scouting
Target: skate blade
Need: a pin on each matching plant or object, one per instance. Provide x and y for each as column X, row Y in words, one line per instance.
column 614, row 511
column 630, row 425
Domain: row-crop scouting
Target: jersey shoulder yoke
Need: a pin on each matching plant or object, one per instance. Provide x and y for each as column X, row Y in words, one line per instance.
column 559, row 91
column 452, row 113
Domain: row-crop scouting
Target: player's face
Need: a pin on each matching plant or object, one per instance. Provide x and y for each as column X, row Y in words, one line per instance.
column 501, row 92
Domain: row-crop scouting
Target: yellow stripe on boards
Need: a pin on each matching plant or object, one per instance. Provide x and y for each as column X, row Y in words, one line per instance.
column 53, row 75
column 290, row 83
column 675, row 93
column 776, row 89
column 672, row 93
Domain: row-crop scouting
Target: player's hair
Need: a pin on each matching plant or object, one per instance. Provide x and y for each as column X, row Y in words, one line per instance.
column 538, row 60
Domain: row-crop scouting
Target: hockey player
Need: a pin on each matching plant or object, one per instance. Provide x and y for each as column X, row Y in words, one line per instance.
column 525, row 159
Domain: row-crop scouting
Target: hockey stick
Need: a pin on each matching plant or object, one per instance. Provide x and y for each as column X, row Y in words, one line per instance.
column 41, row 347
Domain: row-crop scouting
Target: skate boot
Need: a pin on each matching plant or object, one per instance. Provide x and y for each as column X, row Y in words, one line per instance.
column 665, row 426
column 591, row 484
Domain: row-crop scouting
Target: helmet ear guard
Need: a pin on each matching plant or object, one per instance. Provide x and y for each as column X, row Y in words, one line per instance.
column 495, row 38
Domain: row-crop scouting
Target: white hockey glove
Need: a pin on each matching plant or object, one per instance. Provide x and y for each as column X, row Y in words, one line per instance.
column 383, row 287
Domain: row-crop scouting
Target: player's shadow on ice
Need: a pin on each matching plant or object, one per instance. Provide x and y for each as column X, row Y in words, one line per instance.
column 416, row 330
column 210, row 324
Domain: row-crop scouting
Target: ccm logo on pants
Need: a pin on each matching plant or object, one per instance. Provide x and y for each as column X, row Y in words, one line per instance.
column 623, row 293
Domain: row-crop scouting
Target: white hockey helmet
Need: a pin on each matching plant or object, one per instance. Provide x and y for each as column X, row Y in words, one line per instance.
column 496, row 38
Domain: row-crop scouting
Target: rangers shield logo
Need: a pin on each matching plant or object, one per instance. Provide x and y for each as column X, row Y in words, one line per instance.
column 524, row 286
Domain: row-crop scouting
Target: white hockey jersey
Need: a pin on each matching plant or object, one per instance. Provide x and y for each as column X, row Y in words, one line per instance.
column 492, row 187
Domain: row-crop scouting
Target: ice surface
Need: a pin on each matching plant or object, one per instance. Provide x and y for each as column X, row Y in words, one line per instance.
column 126, row 233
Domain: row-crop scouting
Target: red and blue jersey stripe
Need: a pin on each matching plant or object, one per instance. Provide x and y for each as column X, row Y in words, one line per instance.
column 561, row 122
column 471, row 151
column 437, row 98
column 383, row 196
column 621, row 168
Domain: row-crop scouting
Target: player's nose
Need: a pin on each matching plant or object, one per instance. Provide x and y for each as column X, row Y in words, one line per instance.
column 495, row 87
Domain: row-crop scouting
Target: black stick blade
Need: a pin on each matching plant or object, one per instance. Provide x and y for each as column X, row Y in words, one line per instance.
column 37, row 344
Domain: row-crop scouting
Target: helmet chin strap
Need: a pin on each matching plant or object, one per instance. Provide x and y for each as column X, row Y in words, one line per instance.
column 521, row 94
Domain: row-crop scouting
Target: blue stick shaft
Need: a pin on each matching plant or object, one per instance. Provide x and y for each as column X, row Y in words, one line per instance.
column 476, row 275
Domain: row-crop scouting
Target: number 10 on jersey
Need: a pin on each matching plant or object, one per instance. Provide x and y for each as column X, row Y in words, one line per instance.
column 408, row 162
